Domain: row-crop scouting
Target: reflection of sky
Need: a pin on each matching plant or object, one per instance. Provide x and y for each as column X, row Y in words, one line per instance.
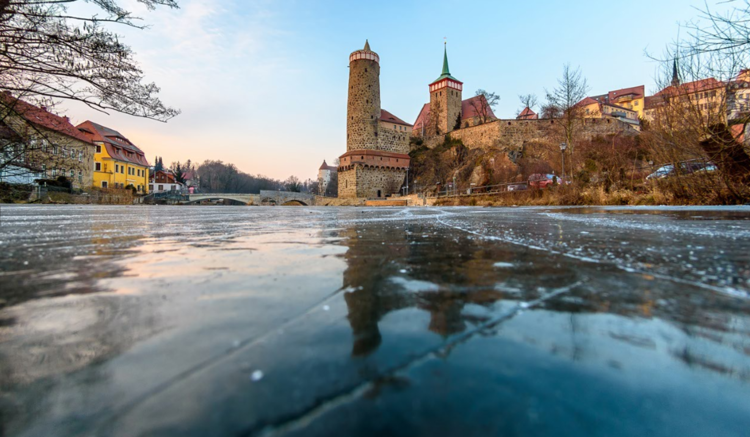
column 241, row 71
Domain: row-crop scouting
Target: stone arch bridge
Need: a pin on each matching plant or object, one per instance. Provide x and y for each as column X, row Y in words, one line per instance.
column 266, row 197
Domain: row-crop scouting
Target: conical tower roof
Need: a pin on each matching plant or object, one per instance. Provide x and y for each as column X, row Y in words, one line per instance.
column 367, row 46
column 446, row 74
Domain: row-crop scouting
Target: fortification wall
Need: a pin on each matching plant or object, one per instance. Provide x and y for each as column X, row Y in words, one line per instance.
column 348, row 183
column 511, row 135
column 391, row 140
column 386, row 180
column 365, row 181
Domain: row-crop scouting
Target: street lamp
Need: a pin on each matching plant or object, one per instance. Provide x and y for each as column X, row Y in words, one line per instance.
column 563, row 146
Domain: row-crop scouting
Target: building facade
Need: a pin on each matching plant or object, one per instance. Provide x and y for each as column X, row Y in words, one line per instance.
column 376, row 159
column 37, row 144
column 163, row 181
column 327, row 175
column 118, row 162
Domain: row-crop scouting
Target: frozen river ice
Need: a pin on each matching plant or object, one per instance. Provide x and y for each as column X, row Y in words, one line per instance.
column 243, row 321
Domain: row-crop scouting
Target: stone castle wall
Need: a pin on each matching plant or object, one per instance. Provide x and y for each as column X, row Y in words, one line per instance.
column 365, row 182
column 391, row 140
column 348, row 183
column 511, row 135
column 363, row 108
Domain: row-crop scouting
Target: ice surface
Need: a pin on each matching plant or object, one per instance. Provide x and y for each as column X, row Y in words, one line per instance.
column 366, row 321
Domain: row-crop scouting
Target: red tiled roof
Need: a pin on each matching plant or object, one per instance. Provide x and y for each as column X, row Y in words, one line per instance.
column 588, row 101
column 118, row 147
column 41, row 117
column 637, row 92
column 470, row 108
column 325, row 166
column 390, row 118
column 423, row 118
column 692, row 87
column 527, row 114
column 170, row 176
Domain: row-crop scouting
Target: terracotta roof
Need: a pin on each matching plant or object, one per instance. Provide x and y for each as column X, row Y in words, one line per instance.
column 467, row 111
column 588, row 101
column 170, row 176
column 41, row 117
column 692, row 87
column 637, row 92
column 527, row 114
column 470, row 108
column 390, row 118
column 118, row 147
column 423, row 118
column 325, row 166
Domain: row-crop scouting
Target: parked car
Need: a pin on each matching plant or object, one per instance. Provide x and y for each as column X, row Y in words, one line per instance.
column 518, row 187
column 541, row 181
column 686, row 167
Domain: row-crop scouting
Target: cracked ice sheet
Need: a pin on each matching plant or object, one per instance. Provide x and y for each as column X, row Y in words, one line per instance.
column 174, row 317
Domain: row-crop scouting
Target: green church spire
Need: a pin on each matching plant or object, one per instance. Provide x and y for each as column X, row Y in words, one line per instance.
column 446, row 71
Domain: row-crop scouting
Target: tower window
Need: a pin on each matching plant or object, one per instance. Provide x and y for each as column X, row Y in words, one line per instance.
column 365, row 70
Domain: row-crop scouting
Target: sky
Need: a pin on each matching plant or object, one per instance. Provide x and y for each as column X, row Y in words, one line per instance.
column 262, row 83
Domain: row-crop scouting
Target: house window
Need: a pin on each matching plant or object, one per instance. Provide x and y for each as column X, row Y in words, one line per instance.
column 104, row 184
column 72, row 173
column 80, row 156
column 117, row 168
column 98, row 148
column 80, row 175
column 122, row 169
column 151, row 187
column 98, row 166
column 161, row 187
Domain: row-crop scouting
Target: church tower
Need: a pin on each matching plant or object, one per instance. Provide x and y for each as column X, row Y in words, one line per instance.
column 377, row 146
column 445, row 101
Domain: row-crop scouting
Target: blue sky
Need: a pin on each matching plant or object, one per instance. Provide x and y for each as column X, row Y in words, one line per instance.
column 262, row 84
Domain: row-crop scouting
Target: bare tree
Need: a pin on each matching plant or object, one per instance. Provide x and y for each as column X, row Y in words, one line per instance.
column 571, row 89
column 484, row 104
column 727, row 32
column 528, row 101
column 48, row 54
column 689, row 124
column 292, row 183
column 433, row 125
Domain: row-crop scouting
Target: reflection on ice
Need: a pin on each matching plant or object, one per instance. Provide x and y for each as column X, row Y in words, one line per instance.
column 362, row 321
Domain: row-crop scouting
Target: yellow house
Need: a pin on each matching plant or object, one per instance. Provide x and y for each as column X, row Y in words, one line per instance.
column 118, row 163
column 632, row 98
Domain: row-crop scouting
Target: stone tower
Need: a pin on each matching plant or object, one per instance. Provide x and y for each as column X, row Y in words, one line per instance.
column 445, row 101
column 376, row 158
column 363, row 107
